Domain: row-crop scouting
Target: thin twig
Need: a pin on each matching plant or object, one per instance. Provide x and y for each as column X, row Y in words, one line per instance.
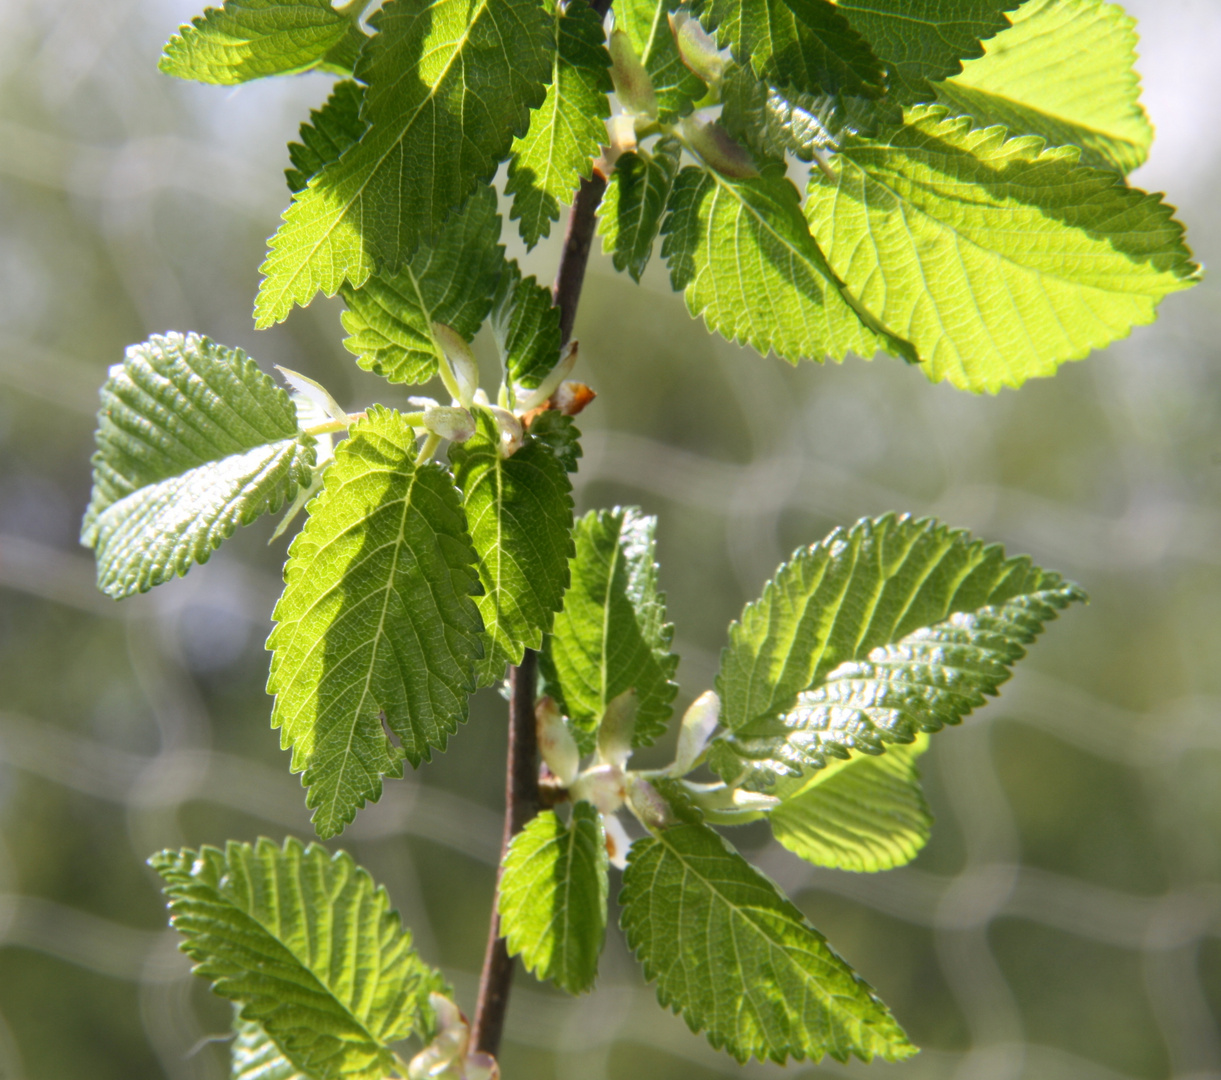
column 521, row 771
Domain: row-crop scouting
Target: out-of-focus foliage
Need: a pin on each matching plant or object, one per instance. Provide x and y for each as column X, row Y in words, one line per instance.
column 1058, row 925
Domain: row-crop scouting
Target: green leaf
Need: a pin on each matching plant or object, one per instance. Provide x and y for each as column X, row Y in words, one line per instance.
column 895, row 626
column 192, row 441
column 1064, row 72
column 519, row 513
column 306, row 945
column 330, row 131
column 744, row 255
column 255, row 1055
column 998, row 259
column 250, row 39
column 740, row 961
column 923, row 41
column 559, row 432
column 864, row 814
column 612, row 635
column 526, row 327
column 647, row 25
column 805, row 44
column 567, row 131
column 476, row 69
column 452, row 280
column 377, row 632
column 553, row 897
column 629, row 216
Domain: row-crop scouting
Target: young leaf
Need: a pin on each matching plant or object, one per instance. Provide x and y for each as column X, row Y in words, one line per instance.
column 924, row 41
column 250, row 39
column 998, row 259
column 255, row 1055
column 519, row 513
column 1064, row 71
column 865, row 814
column 612, row 633
column 451, row 281
column 476, row 69
column 307, row 946
column 745, row 257
column 895, row 626
column 553, row 897
column 675, row 86
column 629, row 216
column 567, row 131
column 559, row 432
column 804, row 44
column 192, row 441
column 740, row 962
column 330, row 131
column 377, row 631
column 526, row 327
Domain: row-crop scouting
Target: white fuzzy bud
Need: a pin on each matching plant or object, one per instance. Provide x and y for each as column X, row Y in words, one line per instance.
column 603, row 785
column 645, row 801
column 461, row 362
column 450, row 422
column 555, row 742
column 512, row 434
column 699, row 722
column 618, row 843
column 616, row 730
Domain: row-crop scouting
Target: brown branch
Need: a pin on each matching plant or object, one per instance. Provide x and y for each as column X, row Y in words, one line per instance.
column 521, row 773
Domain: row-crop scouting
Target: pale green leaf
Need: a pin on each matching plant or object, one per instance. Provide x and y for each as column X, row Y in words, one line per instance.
column 306, row 945
column 255, row 1055
column 1064, row 71
column 192, row 441
column 527, row 328
column 925, row 41
column 864, row 814
column 612, row 635
column 519, row 513
column 998, row 259
column 329, row 132
column 451, row 280
column 377, row 632
column 647, row 25
column 567, row 131
column 553, row 897
column 744, row 255
column 629, row 216
column 250, row 39
column 476, row 68
column 740, row 962
column 807, row 45
column 878, row 632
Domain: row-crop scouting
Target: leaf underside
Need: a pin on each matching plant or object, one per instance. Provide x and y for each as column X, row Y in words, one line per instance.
column 1064, row 72
column 255, row 1056
column 896, row 626
column 251, row 39
column 192, row 441
column 864, row 814
column 477, row 68
column 997, row 258
column 740, row 962
column 553, row 897
column 519, row 513
column 377, row 632
column 612, row 635
column 307, row 946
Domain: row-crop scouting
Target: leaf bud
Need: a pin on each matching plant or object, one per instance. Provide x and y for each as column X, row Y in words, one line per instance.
column 512, row 434
column 555, row 741
column 571, row 397
column 646, row 802
column 718, row 148
column 696, row 47
column 616, row 730
column 532, row 399
column 618, row 843
column 450, row 422
column 461, row 362
column 448, row 1056
column 315, row 392
column 699, row 722
column 602, row 785
column 632, row 82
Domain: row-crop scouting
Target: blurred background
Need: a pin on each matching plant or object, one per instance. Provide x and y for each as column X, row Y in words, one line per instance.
column 1064, row 922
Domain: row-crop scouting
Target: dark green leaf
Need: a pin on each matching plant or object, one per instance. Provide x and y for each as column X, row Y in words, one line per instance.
column 629, row 217
column 526, row 327
column 646, row 23
column 559, row 432
column 330, row 131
